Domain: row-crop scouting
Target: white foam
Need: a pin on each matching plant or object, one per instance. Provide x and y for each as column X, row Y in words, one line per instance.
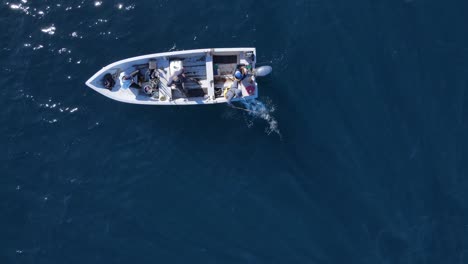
column 49, row 30
column 20, row 7
column 173, row 47
column 64, row 50
column 52, row 107
column 258, row 109
column 74, row 34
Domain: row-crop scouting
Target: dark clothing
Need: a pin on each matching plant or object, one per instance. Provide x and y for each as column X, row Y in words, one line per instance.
column 139, row 76
column 108, row 81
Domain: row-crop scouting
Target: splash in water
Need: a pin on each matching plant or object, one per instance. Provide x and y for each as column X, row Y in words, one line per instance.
column 258, row 109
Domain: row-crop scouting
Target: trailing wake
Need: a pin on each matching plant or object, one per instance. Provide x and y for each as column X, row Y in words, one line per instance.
column 257, row 109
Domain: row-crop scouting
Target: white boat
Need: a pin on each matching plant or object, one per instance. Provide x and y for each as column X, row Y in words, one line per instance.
column 208, row 73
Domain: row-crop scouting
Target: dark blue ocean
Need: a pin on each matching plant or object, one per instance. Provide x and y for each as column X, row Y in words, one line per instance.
column 361, row 156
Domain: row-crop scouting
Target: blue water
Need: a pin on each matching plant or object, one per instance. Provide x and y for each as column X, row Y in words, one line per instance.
column 358, row 155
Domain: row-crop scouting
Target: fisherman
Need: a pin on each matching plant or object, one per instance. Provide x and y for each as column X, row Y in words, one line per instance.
column 127, row 81
column 235, row 91
column 109, row 81
column 240, row 73
column 179, row 79
column 151, row 91
column 154, row 74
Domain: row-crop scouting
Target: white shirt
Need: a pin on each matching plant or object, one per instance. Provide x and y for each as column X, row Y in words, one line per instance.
column 125, row 84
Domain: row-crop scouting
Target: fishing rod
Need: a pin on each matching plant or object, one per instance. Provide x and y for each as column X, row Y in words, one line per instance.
column 247, row 110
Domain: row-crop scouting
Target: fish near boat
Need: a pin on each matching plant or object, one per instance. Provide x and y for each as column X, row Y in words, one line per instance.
column 188, row 77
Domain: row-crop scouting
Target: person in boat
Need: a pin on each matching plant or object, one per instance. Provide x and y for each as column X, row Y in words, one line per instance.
column 127, row 81
column 180, row 80
column 153, row 74
column 242, row 73
column 234, row 91
column 109, row 81
column 151, row 90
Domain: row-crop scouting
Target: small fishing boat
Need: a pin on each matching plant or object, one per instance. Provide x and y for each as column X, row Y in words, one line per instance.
column 189, row 77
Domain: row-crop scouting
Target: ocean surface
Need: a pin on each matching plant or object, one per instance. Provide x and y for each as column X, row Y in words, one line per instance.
column 358, row 152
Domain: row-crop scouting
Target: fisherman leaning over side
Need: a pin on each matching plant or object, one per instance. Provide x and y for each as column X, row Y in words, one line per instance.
column 234, row 91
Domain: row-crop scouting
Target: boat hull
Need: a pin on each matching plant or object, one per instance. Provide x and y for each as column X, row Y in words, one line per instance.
column 208, row 71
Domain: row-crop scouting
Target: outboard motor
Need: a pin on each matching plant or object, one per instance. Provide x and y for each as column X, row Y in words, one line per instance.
column 263, row 71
